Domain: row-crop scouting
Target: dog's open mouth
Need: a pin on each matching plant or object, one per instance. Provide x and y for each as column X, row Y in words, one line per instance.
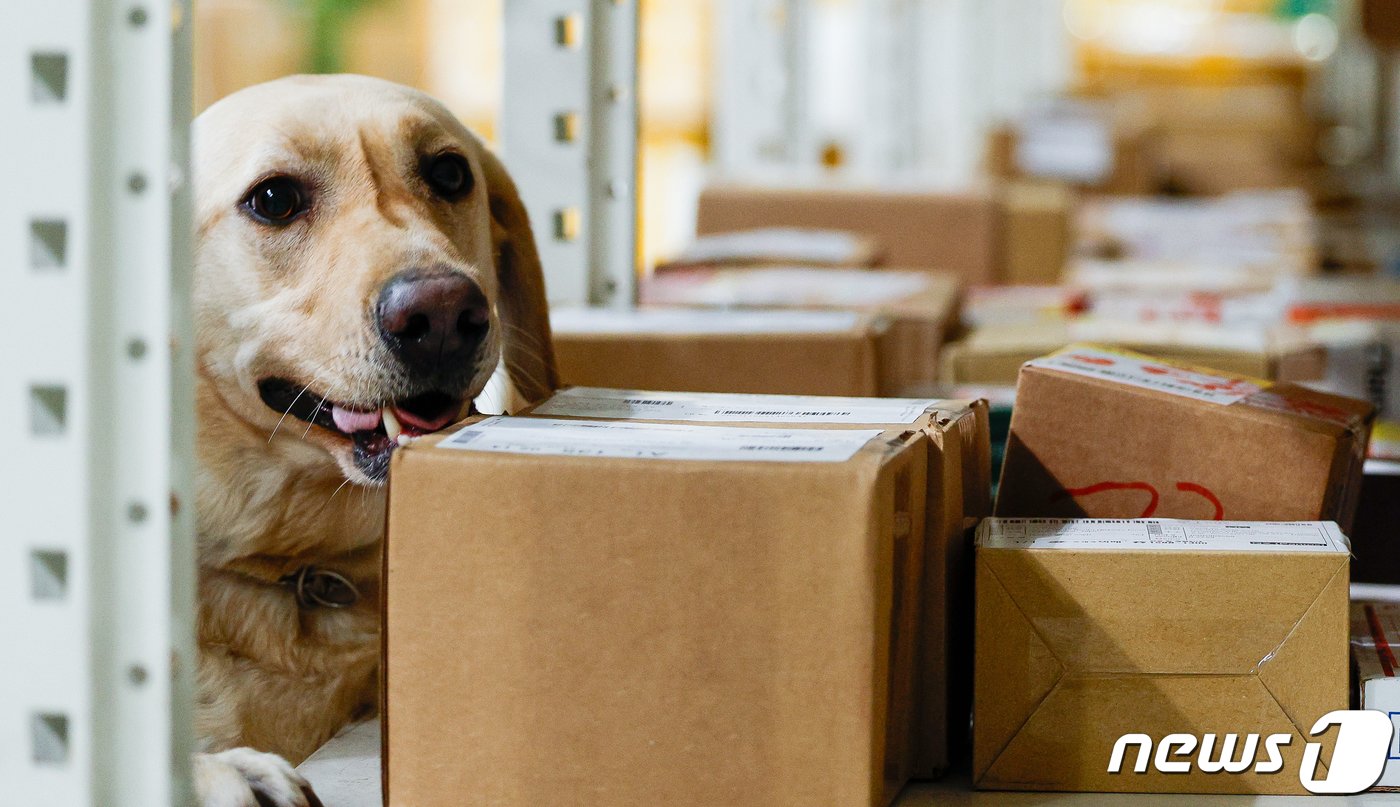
column 374, row 431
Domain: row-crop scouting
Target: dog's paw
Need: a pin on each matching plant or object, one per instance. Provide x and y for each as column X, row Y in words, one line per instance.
column 242, row 777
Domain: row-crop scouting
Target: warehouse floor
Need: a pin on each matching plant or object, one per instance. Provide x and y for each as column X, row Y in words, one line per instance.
column 345, row 773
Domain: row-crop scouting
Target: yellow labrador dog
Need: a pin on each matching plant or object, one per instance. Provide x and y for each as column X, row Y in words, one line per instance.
column 363, row 267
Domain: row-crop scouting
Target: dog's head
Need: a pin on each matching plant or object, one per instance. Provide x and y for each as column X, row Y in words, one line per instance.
column 363, row 264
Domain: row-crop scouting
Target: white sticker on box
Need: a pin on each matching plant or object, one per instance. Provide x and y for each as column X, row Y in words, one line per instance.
column 698, row 321
column 1148, row 373
column 630, row 404
column 1162, row 534
column 783, row 286
column 654, row 441
column 790, row 243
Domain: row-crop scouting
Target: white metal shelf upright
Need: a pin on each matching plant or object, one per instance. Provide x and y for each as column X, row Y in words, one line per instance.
column 569, row 138
column 96, row 552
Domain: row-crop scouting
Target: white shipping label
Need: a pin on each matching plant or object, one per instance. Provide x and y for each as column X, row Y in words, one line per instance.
column 1148, row 373
column 790, row 243
column 653, row 441
column 630, row 404
column 1162, row 534
column 783, row 286
column 698, row 321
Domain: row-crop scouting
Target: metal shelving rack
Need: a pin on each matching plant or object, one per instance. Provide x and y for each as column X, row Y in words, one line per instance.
column 569, row 139
column 96, row 567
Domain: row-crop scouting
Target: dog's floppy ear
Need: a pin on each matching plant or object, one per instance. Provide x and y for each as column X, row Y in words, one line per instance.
column 522, row 306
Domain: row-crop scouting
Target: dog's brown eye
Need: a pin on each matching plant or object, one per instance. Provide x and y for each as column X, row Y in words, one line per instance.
column 277, row 200
column 448, row 175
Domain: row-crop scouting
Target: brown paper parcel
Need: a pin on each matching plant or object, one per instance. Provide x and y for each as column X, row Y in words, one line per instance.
column 1091, row 630
column 784, row 352
column 687, row 618
column 958, row 477
column 1105, row 433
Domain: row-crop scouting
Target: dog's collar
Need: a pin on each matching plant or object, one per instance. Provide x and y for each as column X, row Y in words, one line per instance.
column 320, row 588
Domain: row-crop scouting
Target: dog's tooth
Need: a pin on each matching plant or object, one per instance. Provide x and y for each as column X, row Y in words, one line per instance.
column 391, row 424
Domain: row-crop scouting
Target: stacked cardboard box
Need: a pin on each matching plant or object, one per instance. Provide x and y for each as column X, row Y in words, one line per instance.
column 951, row 232
column 1105, row 433
column 917, row 309
column 1036, row 231
column 1106, row 645
column 993, row 355
column 786, row 352
column 958, row 494
column 793, row 246
column 642, row 614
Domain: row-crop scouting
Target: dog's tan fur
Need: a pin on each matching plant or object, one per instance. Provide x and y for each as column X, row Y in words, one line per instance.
column 274, row 494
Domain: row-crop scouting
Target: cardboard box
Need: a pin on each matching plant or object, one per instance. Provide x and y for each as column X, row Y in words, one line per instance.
column 1091, row 630
column 918, row 308
column 783, row 352
column 993, row 355
column 953, row 232
column 793, row 246
column 959, row 491
column 1104, row 433
column 1035, row 231
column 1081, row 141
column 642, row 614
column 1273, row 231
column 1375, row 630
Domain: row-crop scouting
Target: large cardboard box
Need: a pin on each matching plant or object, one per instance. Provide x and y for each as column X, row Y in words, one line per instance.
column 1091, row 630
column 1105, row 433
column 918, row 308
column 781, row 352
column 954, row 232
column 641, row 614
column 959, row 492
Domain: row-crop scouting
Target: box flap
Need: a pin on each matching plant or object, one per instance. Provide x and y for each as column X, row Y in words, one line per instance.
column 1302, row 674
column 1068, row 740
column 1006, row 694
column 1143, row 619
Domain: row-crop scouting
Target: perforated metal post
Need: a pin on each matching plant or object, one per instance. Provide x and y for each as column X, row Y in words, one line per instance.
column 96, row 562
column 569, row 138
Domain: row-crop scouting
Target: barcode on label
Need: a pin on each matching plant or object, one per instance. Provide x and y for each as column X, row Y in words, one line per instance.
column 644, row 402
column 780, row 448
column 1154, row 532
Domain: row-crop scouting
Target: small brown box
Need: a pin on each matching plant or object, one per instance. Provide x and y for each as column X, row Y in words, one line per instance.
column 1088, row 631
column 1105, row 433
column 1035, row 231
column 959, row 477
column 642, row 614
column 917, row 308
column 780, row 352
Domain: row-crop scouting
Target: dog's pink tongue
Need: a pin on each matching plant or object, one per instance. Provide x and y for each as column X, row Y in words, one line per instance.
column 350, row 421
column 423, row 425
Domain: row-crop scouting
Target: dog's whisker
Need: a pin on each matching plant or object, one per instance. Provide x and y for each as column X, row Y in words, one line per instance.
column 337, row 490
column 316, row 377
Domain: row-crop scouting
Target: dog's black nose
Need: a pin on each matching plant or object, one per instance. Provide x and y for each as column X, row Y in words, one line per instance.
column 433, row 322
